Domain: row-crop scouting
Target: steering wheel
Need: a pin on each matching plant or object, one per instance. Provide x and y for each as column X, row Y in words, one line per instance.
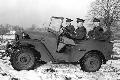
column 66, row 31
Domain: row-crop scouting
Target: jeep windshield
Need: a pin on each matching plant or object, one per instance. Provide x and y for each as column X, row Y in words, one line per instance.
column 56, row 23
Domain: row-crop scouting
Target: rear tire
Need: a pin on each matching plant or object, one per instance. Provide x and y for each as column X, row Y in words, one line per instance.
column 91, row 62
column 23, row 60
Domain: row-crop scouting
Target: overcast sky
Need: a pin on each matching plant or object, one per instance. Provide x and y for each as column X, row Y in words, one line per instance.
column 28, row 12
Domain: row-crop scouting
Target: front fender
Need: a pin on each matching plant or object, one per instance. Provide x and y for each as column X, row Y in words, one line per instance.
column 39, row 47
column 27, row 45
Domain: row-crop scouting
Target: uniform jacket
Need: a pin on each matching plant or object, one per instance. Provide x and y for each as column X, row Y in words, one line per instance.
column 91, row 34
column 69, row 29
column 80, row 33
column 98, row 32
column 107, row 35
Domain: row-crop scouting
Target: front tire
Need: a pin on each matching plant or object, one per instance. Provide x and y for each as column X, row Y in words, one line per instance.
column 23, row 59
column 91, row 62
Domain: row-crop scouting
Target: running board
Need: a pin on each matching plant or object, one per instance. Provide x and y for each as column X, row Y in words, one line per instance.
column 62, row 62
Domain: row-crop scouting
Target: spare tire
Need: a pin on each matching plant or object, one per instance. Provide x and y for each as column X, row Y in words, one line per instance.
column 23, row 59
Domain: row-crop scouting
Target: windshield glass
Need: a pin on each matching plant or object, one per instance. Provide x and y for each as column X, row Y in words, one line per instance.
column 55, row 24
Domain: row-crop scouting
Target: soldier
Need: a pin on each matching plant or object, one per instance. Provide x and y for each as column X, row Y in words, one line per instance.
column 97, row 32
column 66, row 36
column 91, row 34
column 107, row 35
column 81, row 30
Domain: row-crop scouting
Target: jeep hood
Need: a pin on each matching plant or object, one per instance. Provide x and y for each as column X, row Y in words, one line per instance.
column 36, row 34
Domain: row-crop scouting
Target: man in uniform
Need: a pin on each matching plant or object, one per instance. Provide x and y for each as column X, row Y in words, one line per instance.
column 80, row 31
column 107, row 35
column 66, row 36
column 97, row 32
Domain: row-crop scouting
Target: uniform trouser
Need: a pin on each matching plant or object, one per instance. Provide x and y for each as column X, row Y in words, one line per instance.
column 65, row 41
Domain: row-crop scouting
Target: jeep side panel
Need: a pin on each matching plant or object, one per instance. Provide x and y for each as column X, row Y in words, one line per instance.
column 89, row 45
column 51, row 44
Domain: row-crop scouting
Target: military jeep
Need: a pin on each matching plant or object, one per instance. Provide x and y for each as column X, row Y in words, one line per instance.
column 90, row 54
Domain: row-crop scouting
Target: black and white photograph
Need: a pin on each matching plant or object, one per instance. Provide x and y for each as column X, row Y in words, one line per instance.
column 59, row 39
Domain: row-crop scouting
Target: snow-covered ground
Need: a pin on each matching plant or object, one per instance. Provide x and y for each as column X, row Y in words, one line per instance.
column 108, row 71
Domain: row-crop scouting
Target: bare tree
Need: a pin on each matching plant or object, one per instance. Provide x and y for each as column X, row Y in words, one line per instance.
column 17, row 28
column 3, row 30
column 109, row 10
column 32, row 28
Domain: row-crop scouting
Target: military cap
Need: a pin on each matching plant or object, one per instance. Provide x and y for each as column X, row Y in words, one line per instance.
column 80, row 20
column 96, row 20
column 68, row 20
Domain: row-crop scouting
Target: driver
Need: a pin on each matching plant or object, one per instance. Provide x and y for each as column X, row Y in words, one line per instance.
column 66, row 36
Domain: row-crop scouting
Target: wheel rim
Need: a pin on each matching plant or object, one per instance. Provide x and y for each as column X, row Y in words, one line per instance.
column 24, row 61
column 92, row 63
column 23, row 58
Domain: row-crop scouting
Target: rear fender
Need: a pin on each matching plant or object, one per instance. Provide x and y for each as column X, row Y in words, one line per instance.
column 79, row 55
column 92, row 45
column 99, row 53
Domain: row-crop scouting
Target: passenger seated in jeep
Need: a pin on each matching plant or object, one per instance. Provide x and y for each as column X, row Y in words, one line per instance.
column 80, row 31
column 97, row 32
column 74, row 36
